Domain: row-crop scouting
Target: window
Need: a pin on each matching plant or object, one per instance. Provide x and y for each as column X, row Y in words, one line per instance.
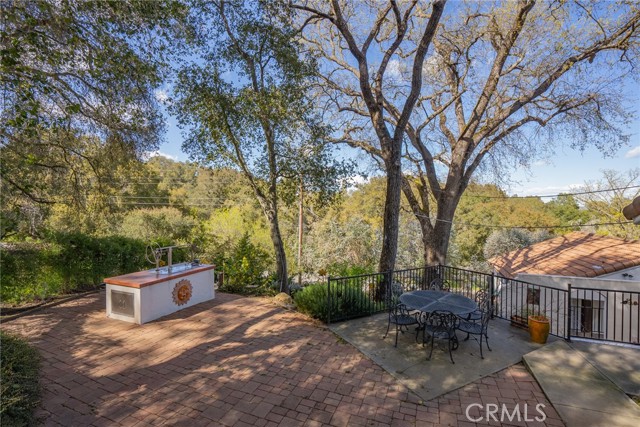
column 533, row 296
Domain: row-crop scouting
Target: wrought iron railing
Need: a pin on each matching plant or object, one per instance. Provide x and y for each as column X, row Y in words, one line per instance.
column 601, row 314
column 605, row 314
column 516, row 300
column 366, row 294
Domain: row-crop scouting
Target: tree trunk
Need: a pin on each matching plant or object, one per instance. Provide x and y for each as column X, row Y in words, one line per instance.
column 435, row 239
column 436, row 244
column 390, row 224
column 278, row 247
column 391, row 213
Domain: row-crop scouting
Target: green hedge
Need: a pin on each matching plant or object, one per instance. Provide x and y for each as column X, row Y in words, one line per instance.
column 69, row 262
column 29, row 272
column 84, row 261
column 19, row 387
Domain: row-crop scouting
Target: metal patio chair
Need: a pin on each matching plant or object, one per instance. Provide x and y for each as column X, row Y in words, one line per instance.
column 438, row 284
column 442, row 325
column 478, row 328
column 397, row 289
column 400, row 316
column 481, row 298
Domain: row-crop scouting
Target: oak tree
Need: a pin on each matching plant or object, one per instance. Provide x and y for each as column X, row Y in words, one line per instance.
column 503, row 83
column 243, row 101
column 76, row 75
column 359, row 45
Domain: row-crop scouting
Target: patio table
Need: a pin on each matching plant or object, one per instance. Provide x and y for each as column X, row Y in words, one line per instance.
column 431, row 300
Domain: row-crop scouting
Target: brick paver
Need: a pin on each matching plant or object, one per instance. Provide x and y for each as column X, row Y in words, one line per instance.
column 238, row 361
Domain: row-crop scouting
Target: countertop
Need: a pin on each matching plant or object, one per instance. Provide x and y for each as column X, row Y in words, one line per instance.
column 141, row 279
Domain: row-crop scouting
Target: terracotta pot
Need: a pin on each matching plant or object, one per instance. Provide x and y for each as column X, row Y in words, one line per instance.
column 539, row 329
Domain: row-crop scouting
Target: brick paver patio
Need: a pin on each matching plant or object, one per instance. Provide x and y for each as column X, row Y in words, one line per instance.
column 237, row 361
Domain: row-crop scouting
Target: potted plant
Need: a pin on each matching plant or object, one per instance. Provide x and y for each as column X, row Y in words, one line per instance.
column 539, row 326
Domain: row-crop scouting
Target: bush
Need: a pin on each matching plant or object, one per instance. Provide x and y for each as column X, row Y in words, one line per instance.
column 29, row 272
column 347, row 270
column 85, row 260
column 246, row 267
column 74, row 261
column 19, row 387
column 348, row 300
column 312, row 301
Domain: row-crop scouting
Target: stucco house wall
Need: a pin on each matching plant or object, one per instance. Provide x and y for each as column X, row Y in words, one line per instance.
column 601, row 308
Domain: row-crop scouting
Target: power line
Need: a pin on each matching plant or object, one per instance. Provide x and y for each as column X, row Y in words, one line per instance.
column 169, row 204
column 167, row 197
column 554, row 195
column 540, row 226
column 529, row 226
column 522, row 226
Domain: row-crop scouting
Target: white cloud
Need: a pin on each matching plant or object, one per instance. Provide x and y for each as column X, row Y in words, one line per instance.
column 354, row 181
column 161, row 96
column 547, row 191
column 150, row 154
column 394, row 69
column 634, row 152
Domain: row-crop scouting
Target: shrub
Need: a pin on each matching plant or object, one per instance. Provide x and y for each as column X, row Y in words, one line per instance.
column 28, row 272
column 85, row 260
column 246, row 267
column 312, row 301
column 350, row 300
column 19, row 387
column 347, row 301
column 346, row 270
column 74, row 261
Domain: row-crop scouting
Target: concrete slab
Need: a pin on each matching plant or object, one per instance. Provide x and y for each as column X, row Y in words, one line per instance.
column 431, row 378
column 581, row 394
column 618, row 363
column 583, row 417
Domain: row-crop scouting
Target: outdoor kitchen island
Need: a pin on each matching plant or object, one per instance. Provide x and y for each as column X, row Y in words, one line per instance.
column 147, row 295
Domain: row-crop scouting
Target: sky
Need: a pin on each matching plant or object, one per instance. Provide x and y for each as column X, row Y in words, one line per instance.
column 571, row 169
column 567, row 171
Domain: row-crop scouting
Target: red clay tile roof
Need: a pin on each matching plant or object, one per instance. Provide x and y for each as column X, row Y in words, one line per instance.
column 575, row 254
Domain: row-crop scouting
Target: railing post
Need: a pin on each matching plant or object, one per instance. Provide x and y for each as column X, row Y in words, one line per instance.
column 328, row 300
column 492, row 292
column 425, row 276
column 568, row 312
column 388, row 281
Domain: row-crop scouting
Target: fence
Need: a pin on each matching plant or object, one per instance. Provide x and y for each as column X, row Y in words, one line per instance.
column 601, row 314
column 605, row 314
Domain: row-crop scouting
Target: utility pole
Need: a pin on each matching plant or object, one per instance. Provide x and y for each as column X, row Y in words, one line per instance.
column 300, row 236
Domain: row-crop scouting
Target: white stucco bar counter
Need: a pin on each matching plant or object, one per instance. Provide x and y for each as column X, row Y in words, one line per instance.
column 147, row 295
